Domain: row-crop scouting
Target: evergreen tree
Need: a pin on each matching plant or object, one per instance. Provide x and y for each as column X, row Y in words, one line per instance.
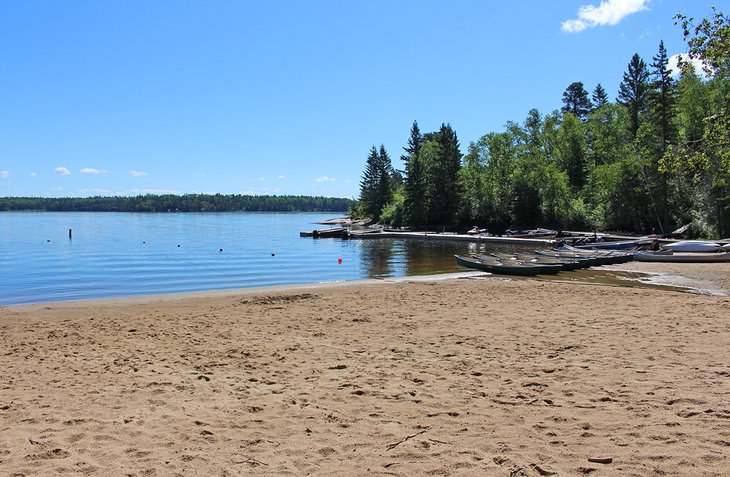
column 663, row 99
column 571, row 150
column 415, row 184
column 576, row 102
column 441, row 163
column 414, row 144
column 599, row 98
column 375, row 186
column 444, row 190
column 388, row 181
column 634, row 90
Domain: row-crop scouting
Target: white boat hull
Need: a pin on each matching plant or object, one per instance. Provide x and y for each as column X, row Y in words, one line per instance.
column 682, row 257
column 697, row 246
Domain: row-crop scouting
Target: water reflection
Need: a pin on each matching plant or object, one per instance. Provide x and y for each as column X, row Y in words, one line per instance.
column 378, row 257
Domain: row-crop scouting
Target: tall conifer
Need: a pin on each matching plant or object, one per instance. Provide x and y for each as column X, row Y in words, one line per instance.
column 633, row 91
column 576, row 102
column 599, row 98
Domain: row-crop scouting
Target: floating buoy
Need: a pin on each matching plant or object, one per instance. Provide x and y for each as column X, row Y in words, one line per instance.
column 48, row 241
column 273, row 254
column 143, row 241
column 339, row 260
column 178, row 245
column 220, row 250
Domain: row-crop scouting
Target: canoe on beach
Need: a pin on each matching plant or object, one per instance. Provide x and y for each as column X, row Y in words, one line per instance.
column 595, row 257
column 687, row 257
column 564, row 263
column 617, row 245
column 692, row 246
column 506, row 267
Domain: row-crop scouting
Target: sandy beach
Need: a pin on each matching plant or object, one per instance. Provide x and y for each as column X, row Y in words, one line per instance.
column 488, row 376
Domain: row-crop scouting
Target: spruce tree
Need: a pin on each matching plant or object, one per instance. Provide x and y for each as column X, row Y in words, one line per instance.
column 414, row 143
column 415, row 183
column 375, row 187
column 599, row 98
column 443, row 187
column 633, row 91
column 576, row 100
column 663, row 99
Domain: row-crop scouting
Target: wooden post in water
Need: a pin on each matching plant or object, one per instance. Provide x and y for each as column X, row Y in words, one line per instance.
column 70, row 234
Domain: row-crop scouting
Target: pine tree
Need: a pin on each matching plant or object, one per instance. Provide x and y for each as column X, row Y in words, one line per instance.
column 415, row 184
column 634, row 90
column 443, row 176
column 663, row 98
column 576, row 100
column 375, row 186
column 414, row 144
column 599, row 98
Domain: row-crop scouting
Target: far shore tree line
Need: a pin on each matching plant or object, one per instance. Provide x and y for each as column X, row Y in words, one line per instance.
column 179, row 203
column 656, row 158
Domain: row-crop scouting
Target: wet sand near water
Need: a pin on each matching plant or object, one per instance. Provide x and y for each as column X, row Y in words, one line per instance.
column 459, row 377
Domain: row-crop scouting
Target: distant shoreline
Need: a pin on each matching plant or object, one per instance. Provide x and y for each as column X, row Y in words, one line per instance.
column 178, row 203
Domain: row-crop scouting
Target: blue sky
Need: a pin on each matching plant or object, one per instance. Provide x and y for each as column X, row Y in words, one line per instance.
column 127, row 97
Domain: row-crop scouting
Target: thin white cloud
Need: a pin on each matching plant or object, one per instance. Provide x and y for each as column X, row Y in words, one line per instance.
column 93, row 191
column 138, row 173
column 324, row 179
column 33, row 174
column 281, row 178
column 154, row 191
column 92, row 170
column 608, row 12
column 4, row 174
column 261, row 179
column 673, row 64
column 62, row 170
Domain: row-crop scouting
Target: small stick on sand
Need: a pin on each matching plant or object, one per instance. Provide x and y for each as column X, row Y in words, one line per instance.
column 250, row 460
column 393, row 446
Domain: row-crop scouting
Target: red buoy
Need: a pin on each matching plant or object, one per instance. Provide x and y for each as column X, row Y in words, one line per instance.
column 339, row 260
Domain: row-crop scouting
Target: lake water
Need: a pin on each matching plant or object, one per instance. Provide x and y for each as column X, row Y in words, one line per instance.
column 127, row 254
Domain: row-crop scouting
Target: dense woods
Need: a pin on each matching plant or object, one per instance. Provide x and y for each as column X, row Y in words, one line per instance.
column 179, row 203
column 656, row 158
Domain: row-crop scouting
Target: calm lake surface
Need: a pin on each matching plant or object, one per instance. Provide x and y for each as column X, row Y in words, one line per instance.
column 128, row 254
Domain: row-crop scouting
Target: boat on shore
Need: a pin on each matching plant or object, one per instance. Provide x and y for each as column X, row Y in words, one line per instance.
column 669, row 256
column 696, row 246
column 534, row 233
column 595, row 257
column 563, row 263
column 334, row 232
column 617, row 245
column 506, row 267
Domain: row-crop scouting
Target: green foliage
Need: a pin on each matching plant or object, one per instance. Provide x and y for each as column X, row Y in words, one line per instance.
column 376, row 188
column 575, row 100
column 599, row 97
column 179, row 203
column 570, row 149
column 634, row 90
column 662, row 98
column 657, row 159
column 394, row 213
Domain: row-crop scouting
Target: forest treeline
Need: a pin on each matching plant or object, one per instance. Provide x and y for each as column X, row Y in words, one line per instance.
column 179, row 203
column 655, row 158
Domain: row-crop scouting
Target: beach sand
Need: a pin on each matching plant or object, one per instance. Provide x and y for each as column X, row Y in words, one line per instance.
column 458, row 377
